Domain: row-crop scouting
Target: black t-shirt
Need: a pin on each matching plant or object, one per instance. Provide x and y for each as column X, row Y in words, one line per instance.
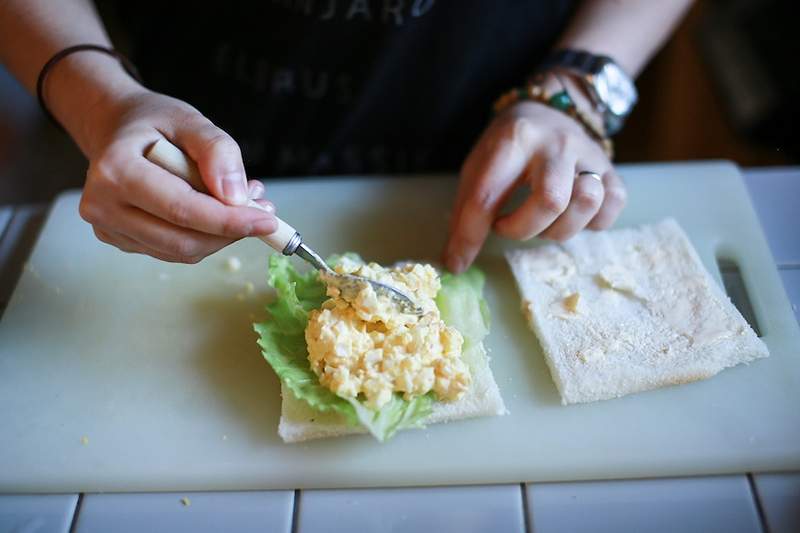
column 344, row 86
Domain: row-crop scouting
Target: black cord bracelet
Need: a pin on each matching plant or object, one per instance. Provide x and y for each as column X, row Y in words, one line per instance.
column 129, row 67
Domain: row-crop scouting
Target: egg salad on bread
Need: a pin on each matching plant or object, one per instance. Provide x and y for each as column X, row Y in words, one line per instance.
column 360, row 364
column 368, row 346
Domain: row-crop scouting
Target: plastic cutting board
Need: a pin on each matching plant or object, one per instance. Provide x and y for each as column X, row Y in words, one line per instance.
column 121, row 373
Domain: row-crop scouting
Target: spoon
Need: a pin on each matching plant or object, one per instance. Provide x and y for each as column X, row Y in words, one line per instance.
column 285, row 239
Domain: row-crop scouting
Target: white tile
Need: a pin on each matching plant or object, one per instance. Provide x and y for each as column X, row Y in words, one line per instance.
column 776, row 195
column 703, row 505
column 45, row 513
column 491, row 508
column 780, row 500
column 198, row 512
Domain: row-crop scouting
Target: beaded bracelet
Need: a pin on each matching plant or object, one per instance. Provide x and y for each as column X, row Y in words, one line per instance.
column 129, row 67
column 561, row 101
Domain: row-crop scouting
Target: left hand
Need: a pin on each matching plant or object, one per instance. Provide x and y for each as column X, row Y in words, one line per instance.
column 531, row 143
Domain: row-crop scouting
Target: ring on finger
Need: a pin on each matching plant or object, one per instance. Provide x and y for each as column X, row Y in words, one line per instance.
column 594, row 175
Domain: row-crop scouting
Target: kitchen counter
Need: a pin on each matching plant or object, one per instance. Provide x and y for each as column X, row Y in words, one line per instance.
column 749, row 502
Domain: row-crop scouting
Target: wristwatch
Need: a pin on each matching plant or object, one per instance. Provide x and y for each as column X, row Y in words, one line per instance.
column 611, row 90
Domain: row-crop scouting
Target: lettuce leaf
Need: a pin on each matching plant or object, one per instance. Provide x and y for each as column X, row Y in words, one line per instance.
column 283, row 344
column 461, row 304
column 282, row 338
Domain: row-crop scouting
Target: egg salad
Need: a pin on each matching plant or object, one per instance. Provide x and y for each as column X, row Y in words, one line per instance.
column 365, row 347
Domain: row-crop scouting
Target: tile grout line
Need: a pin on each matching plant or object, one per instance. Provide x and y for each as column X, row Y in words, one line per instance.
column 525, row 520
column 295, row 511
column 74, row 523
column 757, row 500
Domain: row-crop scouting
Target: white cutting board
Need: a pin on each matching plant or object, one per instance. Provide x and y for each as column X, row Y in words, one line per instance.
column 157, row 365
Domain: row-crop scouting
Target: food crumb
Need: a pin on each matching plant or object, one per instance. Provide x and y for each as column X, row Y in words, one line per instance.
column 224, row 437
column 186, row 501
column 249, row 288
column 233, row 264
column 58, row 290
column 240, row 296
column 571, row 302
column 84, row 440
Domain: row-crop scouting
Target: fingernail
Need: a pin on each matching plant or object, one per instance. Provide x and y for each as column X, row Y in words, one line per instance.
column 269, row 208
column 256, row 190
column 233, row 188
column 263, row 226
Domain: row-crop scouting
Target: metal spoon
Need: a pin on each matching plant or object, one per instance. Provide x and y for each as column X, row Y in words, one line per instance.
column 286, row 239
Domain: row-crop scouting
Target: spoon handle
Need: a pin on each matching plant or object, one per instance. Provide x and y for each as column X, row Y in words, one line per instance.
column 163, row 153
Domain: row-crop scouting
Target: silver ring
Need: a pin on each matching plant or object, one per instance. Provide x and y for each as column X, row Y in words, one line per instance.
column 595, row 175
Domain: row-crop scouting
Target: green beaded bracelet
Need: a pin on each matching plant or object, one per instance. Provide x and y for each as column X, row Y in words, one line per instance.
column 561, row 101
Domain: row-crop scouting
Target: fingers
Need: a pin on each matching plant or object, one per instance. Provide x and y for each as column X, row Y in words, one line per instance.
column 255, row 190
column 552, row 182
column 266, row 205
column 185, row 245
column 587, row 197
column 168, row 197
column 217, row 155
column 560, row 204
column 488, row 176
column 614, row 201
column 128, row 245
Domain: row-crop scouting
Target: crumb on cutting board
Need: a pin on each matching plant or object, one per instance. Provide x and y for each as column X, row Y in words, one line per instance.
column 186, row 501
column 233, row 264
column 249, row 287
column 84, row 440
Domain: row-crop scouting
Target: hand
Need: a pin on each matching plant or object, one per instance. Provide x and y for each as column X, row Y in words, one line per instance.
column 531, row 143
column 139, row 207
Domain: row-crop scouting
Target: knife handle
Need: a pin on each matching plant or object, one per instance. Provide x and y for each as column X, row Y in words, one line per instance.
column 169, row 157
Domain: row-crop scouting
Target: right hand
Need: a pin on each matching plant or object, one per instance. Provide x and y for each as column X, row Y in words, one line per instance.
column 139, row 207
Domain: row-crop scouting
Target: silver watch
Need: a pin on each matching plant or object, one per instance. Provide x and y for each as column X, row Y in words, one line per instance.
column 612, row 91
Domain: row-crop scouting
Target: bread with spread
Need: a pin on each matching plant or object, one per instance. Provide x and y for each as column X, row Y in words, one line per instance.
column 629, row 310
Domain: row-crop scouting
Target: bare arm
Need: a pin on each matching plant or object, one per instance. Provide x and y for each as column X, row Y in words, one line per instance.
column 630, row 31
column 532, row 144
column 31, row 31
column 131, row 203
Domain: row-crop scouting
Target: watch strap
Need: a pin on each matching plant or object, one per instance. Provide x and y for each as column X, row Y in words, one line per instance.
column 579, row 60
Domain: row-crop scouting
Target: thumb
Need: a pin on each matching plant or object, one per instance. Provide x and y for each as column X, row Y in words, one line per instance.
column 218, row 158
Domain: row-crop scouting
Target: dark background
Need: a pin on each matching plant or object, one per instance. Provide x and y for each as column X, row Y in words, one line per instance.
column 724, row 87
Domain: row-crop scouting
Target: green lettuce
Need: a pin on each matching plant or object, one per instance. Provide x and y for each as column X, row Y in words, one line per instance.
column 283, row 344
column 462, row 306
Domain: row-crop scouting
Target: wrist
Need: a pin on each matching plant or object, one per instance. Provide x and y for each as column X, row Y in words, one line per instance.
column 554, row 81
column 83, row 89
column 561, row 99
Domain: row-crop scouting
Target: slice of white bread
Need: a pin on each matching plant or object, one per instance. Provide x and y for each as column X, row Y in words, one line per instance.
column 300, row 422
column 647, row 314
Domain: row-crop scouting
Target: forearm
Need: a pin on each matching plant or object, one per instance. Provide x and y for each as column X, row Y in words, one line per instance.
column 629, row 31
column 32, row 31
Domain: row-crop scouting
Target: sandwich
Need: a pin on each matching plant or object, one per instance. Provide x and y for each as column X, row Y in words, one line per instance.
column 361, row 365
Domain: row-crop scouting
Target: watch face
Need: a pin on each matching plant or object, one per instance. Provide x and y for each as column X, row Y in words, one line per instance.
column 615, row 89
